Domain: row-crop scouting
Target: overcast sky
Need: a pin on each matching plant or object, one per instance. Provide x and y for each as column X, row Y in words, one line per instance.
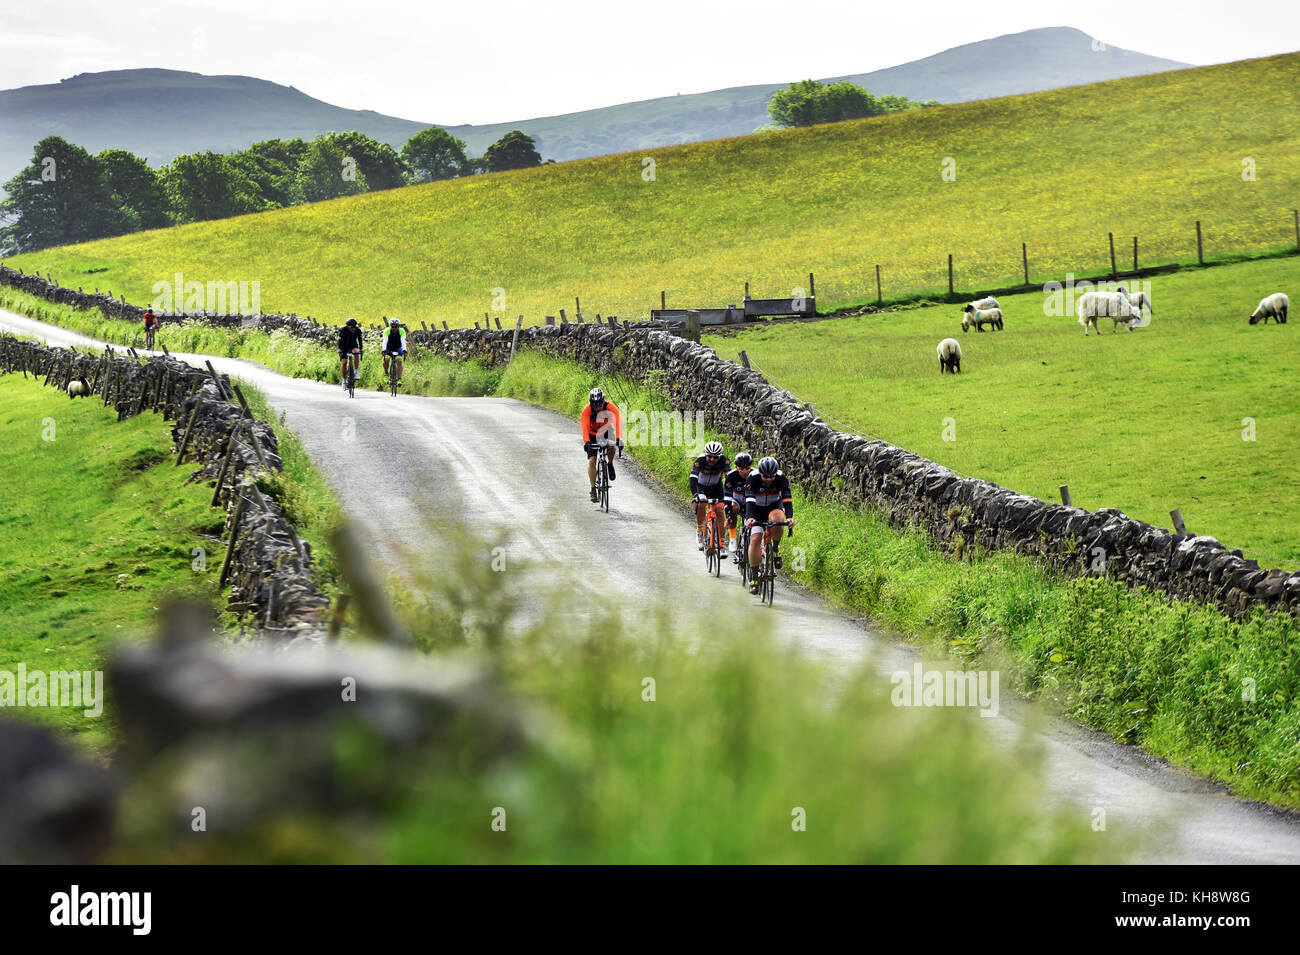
column 482, row 61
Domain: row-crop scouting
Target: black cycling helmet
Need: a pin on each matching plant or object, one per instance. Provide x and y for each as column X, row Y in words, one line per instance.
column 597, row 397
column 768, row 467
column 744, row 460
column 352, row 321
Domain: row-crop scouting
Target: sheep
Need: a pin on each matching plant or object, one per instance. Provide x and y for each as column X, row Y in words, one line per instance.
column 78, row 388
column 988, row 301
column 949, row 356
column 979, row 317
column 1273, row 306
column 1113, row 305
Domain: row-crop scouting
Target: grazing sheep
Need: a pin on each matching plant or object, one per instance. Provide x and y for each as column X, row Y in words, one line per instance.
column 1113, row 305
column 979, row 317
column 949, row 356
column 1273, row 306
column 988, row 301
column 78, row 388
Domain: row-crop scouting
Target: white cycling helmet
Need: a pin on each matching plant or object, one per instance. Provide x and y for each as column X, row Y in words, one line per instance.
column 713, row 448
column 768, row 466
column 394, row 321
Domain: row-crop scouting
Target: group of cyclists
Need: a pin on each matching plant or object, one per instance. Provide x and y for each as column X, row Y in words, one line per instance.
column 393, row 347
column 761, row 494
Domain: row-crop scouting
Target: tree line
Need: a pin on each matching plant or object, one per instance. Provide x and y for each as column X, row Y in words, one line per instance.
column 809, row 103
column 68, row 195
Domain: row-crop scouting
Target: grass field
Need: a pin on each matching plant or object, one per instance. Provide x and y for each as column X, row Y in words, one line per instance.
column 1144, row 421
column 1147, row 155
column 96, row 530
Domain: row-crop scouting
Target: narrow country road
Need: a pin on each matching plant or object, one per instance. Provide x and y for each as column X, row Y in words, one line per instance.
column 498, row 462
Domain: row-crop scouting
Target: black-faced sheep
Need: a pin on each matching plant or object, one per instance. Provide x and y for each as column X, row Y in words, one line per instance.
column 78, row 388
column 1113, row 305
column 1273, row 306
column 949, row 356
column 979, row 317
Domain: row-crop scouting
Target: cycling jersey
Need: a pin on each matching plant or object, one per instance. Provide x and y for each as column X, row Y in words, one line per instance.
column 707, row 478
column 349, row 338
column 761, row 500
column 604, row 424
column 395, row 339
column 733, row 486
column 150, row 319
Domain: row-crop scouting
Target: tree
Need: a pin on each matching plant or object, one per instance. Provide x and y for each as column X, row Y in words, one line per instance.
column 809, row 102
column 62, row 196
column 382, row 167
column 434, row 153
column 514, row 150
column 136, row 189
column 202, row 186
column 273, row 165
column 327, row 172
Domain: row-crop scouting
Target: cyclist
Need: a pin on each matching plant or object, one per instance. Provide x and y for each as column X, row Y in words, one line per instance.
column 150, row 323
column 349, row 347
column 733, row 487
column 600, row 423
column 706, row 483
column 394, row 345
column 767, row 498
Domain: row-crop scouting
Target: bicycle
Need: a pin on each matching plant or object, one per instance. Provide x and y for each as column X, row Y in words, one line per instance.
column 715, row 548
column 392, row 373
column 602, row 473
column 742, row 551
column 352, row 376
column 149, row 333
column 767, row 562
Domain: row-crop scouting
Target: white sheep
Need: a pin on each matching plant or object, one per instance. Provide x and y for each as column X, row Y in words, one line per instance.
column 1141, row 300
column 1113, row 305
column 78, row 388
column 949, row 356
column 979, row 317
column 1273, row 306
column 988, row 301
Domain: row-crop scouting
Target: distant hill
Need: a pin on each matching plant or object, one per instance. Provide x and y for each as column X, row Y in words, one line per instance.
column 160, row 113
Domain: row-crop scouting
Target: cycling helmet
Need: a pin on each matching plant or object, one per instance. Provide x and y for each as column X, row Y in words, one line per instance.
column 596, row 397
column 394, row 321
column 713, row 449
column 743, row 460
column 352, row 321
column 768, row 466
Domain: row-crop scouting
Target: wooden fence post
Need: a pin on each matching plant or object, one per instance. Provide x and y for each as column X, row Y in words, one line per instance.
column 444, row 326
column 663, row 299
column 1065, row 495
column 1296, row 214
column 1200, row 254
column 514, row 344
column 879, row 299
column 950, row 273
column 189, row 430
column 1135, row 253
column 812, row 286
column 744, row 359
column 234, row 534
column 550, row 319
column 498, row 321
column 1113, row 271
column 1176, row 515
column 1024, row 256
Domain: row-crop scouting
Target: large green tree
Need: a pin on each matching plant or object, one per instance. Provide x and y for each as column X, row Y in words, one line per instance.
column 273, row 165
column 514, row 150
column 809, row 102
column 136, row 188
column 62, row 196
column 208, row 185
column 327, row 172
column 382, row 167
column 434, row 153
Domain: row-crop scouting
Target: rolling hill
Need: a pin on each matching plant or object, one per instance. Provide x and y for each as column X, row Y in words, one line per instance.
column 160, row 113
column 1056, row 170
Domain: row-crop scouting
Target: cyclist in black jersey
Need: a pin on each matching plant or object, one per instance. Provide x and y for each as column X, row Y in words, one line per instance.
column 767, row 499
column 706, row 483
column 733, row 488
column 349, row 345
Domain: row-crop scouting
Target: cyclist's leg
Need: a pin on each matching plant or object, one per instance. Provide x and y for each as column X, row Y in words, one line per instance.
column 591, row 469
column 774, row 533
column 609, row 456
column 399, row 364
column 755, row 550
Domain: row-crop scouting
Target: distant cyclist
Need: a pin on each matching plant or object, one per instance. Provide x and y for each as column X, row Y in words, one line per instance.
column 349, row 348
column 767, row 498
column 733, row 488
column 706, row 483
column 600, row 427
column 394, row 346
column 150, row 324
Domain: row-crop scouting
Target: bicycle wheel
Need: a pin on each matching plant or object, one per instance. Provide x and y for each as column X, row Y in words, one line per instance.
column 710, row 555
column 718, row 550
column 769, row 578
column 604, row 485
column 392, row 377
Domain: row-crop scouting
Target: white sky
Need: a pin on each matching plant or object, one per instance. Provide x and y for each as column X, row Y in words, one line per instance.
column 482, row 61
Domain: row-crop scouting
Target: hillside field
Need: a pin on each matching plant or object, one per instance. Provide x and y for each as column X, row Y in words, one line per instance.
column 1146, row 156
column 1145, row 421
